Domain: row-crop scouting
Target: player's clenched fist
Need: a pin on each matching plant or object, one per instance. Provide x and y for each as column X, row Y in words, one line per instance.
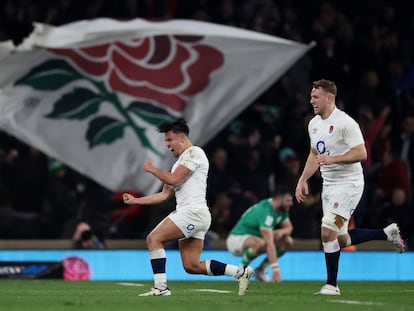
column 128, row 198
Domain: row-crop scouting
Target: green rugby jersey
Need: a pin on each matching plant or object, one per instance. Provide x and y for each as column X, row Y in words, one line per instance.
column 260, row 216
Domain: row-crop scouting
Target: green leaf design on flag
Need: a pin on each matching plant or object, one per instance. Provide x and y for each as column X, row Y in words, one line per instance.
column 150, row 113
column 49, row 75
column 104, row 130
column 79, row 104
column 82, row 103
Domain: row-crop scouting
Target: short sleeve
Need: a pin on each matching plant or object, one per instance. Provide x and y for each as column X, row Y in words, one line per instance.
column 191, row 159
column 267, row 222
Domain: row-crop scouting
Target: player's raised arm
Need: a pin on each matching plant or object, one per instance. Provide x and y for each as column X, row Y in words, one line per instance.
column 156, row 198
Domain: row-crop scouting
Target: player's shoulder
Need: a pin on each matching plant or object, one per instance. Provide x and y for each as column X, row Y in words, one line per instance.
column 197, row 148
column 263, row 204
column 314, row 120
column 196, row 152
column 341, row 114
column 344, row 118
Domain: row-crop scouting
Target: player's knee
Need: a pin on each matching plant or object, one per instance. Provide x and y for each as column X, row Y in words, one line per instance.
column 257, row 245
column 148, row 240
column 151, row 241
column 260, row 246
column 288, row 243
column 191, row 268
column 343, row 239
column 329, row 227
column 285, row 243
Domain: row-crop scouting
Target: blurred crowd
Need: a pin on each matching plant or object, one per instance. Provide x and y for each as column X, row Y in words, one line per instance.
column 364, row 46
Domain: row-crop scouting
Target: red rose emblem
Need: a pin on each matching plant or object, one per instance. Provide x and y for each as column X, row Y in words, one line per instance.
column 166, row 69
column 75, row 268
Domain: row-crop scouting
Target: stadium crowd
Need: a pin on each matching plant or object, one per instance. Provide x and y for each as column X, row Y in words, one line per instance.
column 364, row 46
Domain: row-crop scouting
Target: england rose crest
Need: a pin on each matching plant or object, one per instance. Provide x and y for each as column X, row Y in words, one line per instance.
column 157, row 74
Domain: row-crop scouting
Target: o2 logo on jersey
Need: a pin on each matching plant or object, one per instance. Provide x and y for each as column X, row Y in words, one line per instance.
column 321, row 147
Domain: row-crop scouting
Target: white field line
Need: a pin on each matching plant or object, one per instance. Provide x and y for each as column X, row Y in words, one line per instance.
column 212, row 290
column 130, row 284
column 356, row 302
column 197, row 289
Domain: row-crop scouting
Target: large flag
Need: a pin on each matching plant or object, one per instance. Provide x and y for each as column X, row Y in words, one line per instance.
column 90, row 93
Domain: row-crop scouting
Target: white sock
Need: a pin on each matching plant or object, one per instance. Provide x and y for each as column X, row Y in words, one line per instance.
column 231, row 270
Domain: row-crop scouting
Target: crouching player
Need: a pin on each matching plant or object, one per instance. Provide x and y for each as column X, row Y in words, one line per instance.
column 264, row 228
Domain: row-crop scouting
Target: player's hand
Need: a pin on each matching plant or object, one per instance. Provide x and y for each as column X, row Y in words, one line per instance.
column 276, row 276
column 324, row 159
column 148, row 166
column 277, row 234
column 128, row 198
column 302, row 190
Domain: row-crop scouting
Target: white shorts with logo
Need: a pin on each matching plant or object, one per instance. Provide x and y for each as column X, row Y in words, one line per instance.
column 235, row 242
column 192, row 223
column 341, row 200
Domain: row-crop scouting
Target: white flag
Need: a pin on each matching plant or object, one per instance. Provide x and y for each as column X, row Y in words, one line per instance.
column 91, row 93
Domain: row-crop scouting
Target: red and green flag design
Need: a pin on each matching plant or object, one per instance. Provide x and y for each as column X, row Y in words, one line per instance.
column 91, row 93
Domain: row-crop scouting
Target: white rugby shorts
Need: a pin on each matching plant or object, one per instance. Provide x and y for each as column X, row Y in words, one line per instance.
column 193, row 223
column 341, row 199
column 235, row 242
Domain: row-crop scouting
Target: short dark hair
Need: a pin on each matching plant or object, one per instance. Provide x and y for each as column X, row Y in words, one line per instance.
column 177, row 126
column 281, row 190
column 326, row 85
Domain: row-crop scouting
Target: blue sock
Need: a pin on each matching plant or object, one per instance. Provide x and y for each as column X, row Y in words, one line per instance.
column 217, row 267
column 363, row 235
column 158, row 265
column 332, row 261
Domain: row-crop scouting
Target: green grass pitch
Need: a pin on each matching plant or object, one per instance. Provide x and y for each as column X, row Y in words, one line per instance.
column 36, row 295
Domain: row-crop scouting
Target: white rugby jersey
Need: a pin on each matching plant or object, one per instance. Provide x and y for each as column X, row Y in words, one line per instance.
column 336, row 135
column 192, row 192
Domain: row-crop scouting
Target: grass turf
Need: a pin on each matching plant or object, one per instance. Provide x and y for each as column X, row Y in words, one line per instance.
column 57, row 295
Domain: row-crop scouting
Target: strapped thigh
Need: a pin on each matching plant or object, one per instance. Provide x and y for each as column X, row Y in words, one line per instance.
column 335, row 223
